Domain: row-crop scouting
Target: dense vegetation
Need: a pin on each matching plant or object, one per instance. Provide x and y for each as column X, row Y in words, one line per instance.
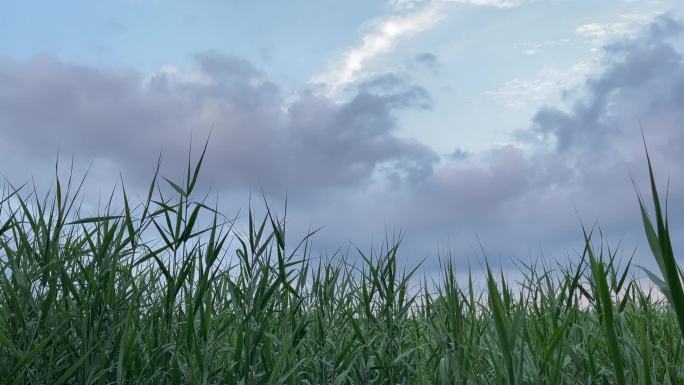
column 168, row 291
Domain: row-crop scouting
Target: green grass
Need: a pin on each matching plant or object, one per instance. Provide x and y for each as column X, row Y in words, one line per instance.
column 167, row 291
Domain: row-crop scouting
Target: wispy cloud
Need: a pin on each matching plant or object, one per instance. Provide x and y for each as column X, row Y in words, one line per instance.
column 490, row 3
column 411, row 17
column 411, row 4
column 381, row 39
column 628, row 26
column 535, row 47
column 520, row 93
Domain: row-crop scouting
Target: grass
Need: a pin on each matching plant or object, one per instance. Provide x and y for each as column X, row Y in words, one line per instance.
column 167, row 291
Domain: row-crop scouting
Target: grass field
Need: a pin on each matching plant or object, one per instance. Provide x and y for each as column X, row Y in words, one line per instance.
column 166, row 292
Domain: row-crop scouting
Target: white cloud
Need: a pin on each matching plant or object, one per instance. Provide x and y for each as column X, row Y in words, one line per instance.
column 600, row 33
column 411, row 4
column 548, row 84
column 628, row 27
column 535, row 47
column 414, row 16
column 382, row 38
column 403, row 5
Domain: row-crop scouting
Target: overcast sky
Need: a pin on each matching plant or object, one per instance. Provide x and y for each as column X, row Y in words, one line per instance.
column 507, row 121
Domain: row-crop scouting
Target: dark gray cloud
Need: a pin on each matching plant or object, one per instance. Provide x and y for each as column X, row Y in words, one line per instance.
column 571, row 165
column 257, row 139
column 396, row 91
column 458, row 154
column 344, row 164
column 649, row 66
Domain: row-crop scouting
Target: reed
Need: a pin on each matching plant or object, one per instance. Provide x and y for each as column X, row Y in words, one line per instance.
column 167, row 291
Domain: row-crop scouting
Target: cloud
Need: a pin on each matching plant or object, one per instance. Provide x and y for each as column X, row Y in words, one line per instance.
column 397, row 92
column 636, row 78
column 429, row 61
column 597, row 141
column 125, row 118
column 628, row 26
column 490, row 3
column 345, row 164
column 410, row 18
column 519, row 93
column 534, row 47
column 383, row 36
column 525, row 197
column 458, row 154
column 412, row 4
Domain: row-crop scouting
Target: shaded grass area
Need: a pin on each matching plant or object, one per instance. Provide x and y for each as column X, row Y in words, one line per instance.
column 167, row 292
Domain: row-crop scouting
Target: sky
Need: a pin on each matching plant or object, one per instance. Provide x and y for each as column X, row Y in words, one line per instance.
column 471, row 127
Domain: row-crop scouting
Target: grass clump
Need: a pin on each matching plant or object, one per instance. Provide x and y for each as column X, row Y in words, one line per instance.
column 167, row 291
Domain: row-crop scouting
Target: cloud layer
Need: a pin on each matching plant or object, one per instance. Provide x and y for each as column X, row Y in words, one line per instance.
column 126, row 118
column 343, row 163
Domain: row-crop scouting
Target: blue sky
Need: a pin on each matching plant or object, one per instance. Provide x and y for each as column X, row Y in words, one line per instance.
column 496, row 63
column 449, row 119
